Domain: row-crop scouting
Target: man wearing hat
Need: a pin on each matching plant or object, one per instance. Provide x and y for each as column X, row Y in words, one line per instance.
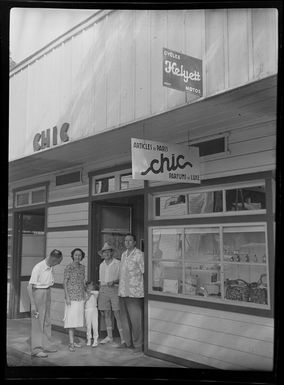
column 108, row 293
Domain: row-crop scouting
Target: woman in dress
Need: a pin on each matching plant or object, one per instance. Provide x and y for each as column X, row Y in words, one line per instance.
column 74, row 288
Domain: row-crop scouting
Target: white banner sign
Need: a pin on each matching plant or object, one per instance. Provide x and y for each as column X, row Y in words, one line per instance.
column 164, row 161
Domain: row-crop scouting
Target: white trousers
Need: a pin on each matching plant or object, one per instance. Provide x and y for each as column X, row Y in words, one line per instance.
column 91, row 317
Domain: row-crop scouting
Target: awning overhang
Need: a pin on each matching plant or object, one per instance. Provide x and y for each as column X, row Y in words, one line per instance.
column 247, row 105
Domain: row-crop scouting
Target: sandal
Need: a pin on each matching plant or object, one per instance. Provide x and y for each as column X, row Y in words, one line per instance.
column 71, row 347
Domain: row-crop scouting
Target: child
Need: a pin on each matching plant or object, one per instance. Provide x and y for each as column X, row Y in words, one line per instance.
column 91, row 313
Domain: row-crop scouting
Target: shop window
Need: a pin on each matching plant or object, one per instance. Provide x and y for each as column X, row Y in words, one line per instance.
column 30, row 197
column 22, row 199
column 127, row 182
column 205, row 202
column 38, row 196
column 105, row 185
column 223, row 263
column 212, row 202
column 252, row 198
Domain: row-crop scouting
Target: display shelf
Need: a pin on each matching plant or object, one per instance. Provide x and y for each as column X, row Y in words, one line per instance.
column 244, row 263
column 206, row 270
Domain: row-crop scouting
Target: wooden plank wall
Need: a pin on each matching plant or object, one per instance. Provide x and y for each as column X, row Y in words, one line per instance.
column 219, row 339
column 250, row 149
column 110, row 74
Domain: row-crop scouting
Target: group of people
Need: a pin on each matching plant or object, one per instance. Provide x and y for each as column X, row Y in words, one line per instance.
column 120, row 292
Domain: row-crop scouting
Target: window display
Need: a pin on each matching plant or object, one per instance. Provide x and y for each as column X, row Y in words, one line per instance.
column 219, row 262
column 210, row 202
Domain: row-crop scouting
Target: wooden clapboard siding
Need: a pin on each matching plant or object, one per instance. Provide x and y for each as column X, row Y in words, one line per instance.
column 113, row 52
column 67, row 215
column 214, row 46
column 100, row 75
column 175, row 41
column 68, row 192
column 158, row 40
column 238, row 68
column 216, row 338
column 110, row 73
column 142, row 63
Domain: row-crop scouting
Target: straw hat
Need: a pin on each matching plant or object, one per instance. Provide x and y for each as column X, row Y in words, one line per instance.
column 107, row 246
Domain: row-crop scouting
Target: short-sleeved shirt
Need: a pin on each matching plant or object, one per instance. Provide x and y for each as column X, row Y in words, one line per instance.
column 109, row 272
column 131, row 274
column 91, row 303
column 75, row 280
column 42, row 275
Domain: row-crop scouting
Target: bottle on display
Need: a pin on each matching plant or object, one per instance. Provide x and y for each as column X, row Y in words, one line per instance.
column 247, row 258
column 254, row 258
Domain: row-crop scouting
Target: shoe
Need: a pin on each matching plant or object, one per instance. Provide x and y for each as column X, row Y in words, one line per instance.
column 137, row 350
column 106, row 340
column 89, row 343
column 77, row 345
column 122, row 346
column 40, row 355
column 50, row 350
column 95, row 344
column 71, row 347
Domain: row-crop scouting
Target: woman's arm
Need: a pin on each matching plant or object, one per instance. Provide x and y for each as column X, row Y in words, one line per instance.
column 66, row 278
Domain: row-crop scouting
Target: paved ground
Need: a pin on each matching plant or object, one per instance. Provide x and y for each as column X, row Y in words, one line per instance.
column 18, row 352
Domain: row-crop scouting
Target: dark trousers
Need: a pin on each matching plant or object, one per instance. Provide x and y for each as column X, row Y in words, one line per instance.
column 41, row 326
column 131, row 315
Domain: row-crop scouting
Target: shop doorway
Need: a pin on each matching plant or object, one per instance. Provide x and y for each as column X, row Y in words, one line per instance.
column 29, row 250
column 112, row 219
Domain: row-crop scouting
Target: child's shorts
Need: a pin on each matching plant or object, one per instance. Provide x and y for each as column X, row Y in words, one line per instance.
column 108, row 298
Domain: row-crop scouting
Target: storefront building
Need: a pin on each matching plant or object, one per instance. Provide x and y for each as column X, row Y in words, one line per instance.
column 74, row 107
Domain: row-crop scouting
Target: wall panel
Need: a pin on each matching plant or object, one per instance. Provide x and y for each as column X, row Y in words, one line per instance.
column 142, row 63
column 216, row 338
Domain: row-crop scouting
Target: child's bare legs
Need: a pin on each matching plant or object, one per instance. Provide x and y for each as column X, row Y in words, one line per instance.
column 119, row 326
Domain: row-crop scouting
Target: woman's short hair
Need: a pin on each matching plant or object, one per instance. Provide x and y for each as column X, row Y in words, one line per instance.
column 77, row 249
column 56, row 253
column 131, row 235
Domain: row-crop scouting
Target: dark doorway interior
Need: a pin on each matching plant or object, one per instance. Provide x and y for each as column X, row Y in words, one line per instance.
column 112, row 220
column 29, row 250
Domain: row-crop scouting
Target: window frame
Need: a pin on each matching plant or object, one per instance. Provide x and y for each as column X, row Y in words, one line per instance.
column 30, row 191
column 184, row 262
column 194, row 190
column 116, row 175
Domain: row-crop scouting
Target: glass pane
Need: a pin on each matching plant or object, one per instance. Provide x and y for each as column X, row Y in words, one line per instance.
column 202, row 280
column 246, row 283
column 105, row 185
column 38, row 196
column 244, row 246
column 205, row 202
column 167, row 277
column 167, row 244
column 22, row 199
column 115, row 219
column 126, row 182
column 171, row 205
column 202, row 244
column 249, row 198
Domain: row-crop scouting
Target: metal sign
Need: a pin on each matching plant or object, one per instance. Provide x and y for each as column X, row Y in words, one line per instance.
column 164, row 161
column 182, row 72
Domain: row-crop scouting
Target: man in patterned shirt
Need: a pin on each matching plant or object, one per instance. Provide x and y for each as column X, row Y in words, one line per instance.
column 131, row 294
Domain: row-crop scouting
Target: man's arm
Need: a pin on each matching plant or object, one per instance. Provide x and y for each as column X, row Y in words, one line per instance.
column 31, row 296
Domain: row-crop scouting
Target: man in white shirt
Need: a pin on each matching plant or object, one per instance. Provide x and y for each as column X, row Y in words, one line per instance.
column 108, row 293
column 39, row 292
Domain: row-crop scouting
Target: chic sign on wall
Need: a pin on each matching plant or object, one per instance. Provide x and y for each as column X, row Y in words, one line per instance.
column 182, row 72
column 48, row 138
column 164, row 161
